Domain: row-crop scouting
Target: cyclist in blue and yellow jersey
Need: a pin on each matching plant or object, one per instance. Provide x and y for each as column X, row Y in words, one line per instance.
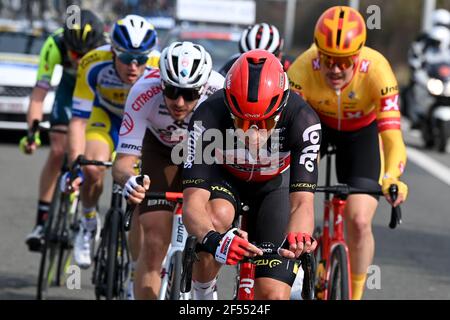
column 64, row 47
column 104, row 77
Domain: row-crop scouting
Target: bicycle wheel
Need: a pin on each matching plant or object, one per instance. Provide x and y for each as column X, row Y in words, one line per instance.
column 47, row 266
column 99, row 274
column 173, row 289
column 68, row 231
column 111, row 260
column 338, row 288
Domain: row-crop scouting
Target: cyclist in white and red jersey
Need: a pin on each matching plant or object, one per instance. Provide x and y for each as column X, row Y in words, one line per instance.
column 157, row 113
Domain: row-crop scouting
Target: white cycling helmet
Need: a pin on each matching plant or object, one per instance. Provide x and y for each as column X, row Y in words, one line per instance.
column 261, row 36
column 185, row 65
column 440, row 17
column 440, row 35
column 133, row 34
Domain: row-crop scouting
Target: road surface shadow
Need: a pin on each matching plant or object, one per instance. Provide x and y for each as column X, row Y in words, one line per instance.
column 12, row 286
column 415, row 249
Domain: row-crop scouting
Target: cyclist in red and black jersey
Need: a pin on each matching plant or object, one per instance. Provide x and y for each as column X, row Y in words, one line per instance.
column 260, row 36
column 255, row 143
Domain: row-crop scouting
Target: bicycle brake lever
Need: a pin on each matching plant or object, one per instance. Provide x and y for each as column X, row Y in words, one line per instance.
column 308, row 283
column 131, row 207
column 396, row 213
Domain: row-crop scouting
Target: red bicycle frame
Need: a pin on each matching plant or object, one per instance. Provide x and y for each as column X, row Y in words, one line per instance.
column 328, row 241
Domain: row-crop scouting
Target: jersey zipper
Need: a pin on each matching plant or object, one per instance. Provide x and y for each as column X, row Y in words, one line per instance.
column 338, row 92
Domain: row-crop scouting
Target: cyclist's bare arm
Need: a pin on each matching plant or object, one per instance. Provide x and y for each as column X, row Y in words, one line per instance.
column 77, row 137
column 198, row 221
column 302, row 212
column 35, row 108
column 301, row 220
column 123, row 170
column 195, row 216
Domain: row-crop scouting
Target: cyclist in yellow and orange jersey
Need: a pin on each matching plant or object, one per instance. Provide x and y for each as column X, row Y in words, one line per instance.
column 355, row 93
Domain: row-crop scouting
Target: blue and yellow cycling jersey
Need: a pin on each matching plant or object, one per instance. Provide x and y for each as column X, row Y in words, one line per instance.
column 99, row 85
column 100, row 94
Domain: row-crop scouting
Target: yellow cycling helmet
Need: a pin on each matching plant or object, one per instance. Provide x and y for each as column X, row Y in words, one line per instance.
column 340, row 31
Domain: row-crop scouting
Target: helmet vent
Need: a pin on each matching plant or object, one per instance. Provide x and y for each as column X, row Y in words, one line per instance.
column 272, row 104
column 254, row 75
column 339, row 32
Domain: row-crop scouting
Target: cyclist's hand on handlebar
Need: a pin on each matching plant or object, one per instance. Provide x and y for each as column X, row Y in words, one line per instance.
column 133, row 191
column 295, row 244
column 28, row 146
column 402, row 190
column 231, row 247
column 70, row 184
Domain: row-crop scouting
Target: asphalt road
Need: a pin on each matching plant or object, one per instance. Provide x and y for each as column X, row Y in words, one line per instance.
column 412, row 261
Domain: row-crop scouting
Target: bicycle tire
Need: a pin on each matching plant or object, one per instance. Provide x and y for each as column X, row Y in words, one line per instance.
column 98, row 275
column 111, row 260
column 66, row 237
column 338, row 288
column 49, row 247
column 63, row 236
column 174, row 287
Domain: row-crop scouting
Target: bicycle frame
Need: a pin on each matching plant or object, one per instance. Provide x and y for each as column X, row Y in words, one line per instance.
column 331, row 237
column 245, row 277
column 330, row 240
column 178, row 240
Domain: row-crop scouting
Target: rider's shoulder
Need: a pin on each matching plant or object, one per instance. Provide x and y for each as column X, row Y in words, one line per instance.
column 215, row 80
column 98, row 55
column 371, row 56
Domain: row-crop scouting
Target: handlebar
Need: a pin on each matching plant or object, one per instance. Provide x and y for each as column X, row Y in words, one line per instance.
column 151, row 195
column 81, row 161
column 42, row 126
column 190, row 256
column 343, row 190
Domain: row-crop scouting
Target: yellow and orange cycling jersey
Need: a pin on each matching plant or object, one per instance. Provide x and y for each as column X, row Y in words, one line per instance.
column 371, row 95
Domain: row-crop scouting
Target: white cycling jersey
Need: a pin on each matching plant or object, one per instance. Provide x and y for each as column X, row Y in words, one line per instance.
column 146, row 108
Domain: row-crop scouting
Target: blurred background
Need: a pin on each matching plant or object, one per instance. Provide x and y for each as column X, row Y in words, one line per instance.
column 401, row 20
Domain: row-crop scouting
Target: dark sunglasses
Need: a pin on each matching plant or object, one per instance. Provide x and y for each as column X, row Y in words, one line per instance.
column 128, row 58
column 343, row 63
column 173, row 93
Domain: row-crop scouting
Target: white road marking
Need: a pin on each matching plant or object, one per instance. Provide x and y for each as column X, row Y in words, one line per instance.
column 430, row 165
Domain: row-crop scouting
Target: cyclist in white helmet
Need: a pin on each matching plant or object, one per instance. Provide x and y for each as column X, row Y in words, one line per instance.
column 160, row 106
column 104, row 77
column 260, row 36
column 435, row 42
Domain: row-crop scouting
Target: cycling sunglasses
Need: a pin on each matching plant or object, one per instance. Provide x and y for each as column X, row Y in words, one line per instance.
column 343, row 63
column 266, row 124
column 173, row 93
column 128, row 58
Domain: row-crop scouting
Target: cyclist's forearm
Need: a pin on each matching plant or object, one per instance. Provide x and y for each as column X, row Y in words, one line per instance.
column 195, row 216
column 394, row 153
column 302, row 212
column 36, row 105
column 123, row 168
column 77, row 143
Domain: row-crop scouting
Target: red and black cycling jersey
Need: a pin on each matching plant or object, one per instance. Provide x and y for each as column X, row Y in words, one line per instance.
column 212, row 144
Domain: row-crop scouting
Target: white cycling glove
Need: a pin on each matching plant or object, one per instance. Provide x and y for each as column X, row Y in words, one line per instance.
column 131, row 185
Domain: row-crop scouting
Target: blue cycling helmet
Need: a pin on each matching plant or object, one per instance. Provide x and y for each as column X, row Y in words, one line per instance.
column 133, row 34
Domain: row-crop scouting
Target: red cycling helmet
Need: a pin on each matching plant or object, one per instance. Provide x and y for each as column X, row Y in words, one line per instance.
column 256, row 88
